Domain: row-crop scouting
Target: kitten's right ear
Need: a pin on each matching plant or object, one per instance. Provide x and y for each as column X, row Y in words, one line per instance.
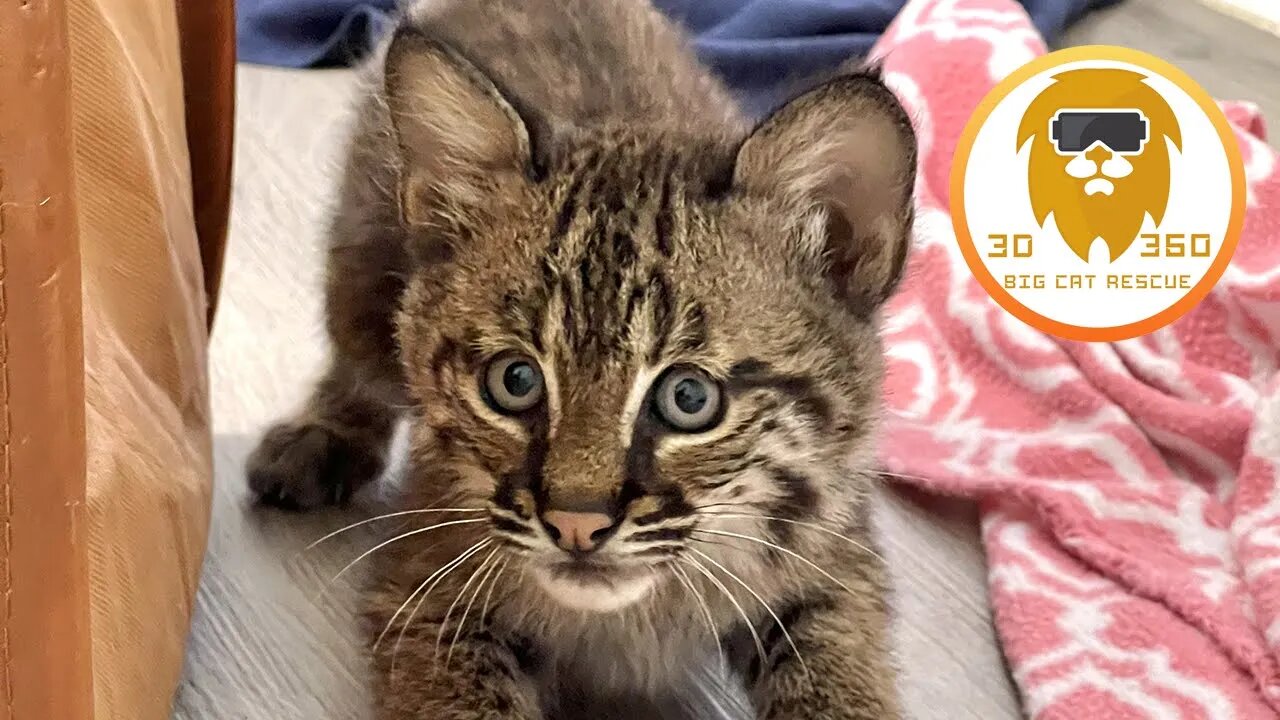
column 846, row 147
column 456, row 130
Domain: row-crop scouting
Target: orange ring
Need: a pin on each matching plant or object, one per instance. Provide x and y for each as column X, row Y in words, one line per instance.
column 1147, row 62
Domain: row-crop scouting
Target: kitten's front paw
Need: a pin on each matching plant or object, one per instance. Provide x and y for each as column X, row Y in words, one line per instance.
column 306, row 465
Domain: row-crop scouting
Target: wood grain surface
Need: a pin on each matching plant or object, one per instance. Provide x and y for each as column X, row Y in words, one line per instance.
column 1230, row 58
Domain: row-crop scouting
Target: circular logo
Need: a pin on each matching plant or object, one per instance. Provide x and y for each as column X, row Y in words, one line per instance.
column 1098, row 193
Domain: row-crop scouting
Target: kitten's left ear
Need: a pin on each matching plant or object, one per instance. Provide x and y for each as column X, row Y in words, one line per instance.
column 848, row 148
column 456, row 129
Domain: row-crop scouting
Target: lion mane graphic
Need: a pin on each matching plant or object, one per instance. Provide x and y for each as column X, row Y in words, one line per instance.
column 1103, row 194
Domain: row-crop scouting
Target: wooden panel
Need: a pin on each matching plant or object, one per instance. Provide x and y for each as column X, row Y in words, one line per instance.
column 208, row 29
column 45, row 672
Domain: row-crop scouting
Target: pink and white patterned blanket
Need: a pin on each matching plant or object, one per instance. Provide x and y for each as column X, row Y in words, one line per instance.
column 1129, row 491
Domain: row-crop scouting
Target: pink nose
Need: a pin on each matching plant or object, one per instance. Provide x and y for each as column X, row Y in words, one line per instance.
column 577, row 531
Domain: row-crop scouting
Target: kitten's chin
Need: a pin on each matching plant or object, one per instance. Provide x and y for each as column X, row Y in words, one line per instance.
column 593, row 592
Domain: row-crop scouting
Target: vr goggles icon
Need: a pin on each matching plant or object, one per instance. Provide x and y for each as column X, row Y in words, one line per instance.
column 1121, row 131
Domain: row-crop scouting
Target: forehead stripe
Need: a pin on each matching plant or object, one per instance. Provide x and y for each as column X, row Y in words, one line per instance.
column 662, row 220
column 569, row 208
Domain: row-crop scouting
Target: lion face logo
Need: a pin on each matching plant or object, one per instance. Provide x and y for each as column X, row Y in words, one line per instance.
column 1099, row 159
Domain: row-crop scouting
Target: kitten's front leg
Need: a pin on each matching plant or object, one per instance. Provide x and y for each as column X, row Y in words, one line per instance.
column 335, row 445
column 843, row 639
column 480, row 679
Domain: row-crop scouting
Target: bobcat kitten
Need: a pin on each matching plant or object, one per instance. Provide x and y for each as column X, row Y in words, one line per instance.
column 637, row 338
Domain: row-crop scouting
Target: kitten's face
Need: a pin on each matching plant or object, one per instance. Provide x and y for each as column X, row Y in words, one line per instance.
column 627, row 364
column 646, row 355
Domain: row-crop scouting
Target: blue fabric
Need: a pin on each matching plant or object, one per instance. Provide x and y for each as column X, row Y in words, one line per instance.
column 759, row 47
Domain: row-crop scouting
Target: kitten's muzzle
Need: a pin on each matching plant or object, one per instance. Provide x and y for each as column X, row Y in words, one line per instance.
column 578, row 533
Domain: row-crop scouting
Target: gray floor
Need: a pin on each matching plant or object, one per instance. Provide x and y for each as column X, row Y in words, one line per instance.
column 271, row 643
column 1231, row 59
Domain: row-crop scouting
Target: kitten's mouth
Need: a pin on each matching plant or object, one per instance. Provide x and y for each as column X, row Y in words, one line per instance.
column 585, row 584
column 587, row 572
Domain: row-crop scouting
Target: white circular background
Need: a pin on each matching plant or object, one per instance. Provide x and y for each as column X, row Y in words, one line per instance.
column 996, row 201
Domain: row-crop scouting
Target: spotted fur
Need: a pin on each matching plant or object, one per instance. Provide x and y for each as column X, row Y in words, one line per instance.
column 561, row 179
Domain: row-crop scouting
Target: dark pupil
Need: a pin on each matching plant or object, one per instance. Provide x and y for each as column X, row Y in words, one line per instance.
column 520, row 379
column 690, row 396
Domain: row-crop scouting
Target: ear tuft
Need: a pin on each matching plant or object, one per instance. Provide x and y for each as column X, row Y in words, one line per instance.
column 456, row 130
column 872, row 68
column 844, row 149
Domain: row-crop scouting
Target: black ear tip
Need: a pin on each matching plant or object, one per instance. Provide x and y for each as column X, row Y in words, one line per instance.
column 407, row 42
column 867, row 81
column 873, row 68
column 407, row 34
column 869, row 68
column 413, row 38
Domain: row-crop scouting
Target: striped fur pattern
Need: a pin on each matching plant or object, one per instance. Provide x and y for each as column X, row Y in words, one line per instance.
column 561, row 180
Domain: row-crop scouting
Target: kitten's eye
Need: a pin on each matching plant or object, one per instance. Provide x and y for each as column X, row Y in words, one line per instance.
column 688, row 400
column 513, row 383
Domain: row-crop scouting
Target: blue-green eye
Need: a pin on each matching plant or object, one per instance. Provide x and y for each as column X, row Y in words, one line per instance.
column 688, row 400
column 513, row 383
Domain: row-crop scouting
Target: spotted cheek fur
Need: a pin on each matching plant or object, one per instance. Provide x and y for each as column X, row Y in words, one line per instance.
column 776, row 470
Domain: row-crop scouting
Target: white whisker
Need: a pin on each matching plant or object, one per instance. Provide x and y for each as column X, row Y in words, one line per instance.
column 764, row 604
column 402, row 536
column 484, row 610
column 456, row 559
column 467, row 610
column 458, row 598
column 454, row 565
column 764, row 659
column 706, row 609
column 387, row 516
column 782, row 549
column 811, row 526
